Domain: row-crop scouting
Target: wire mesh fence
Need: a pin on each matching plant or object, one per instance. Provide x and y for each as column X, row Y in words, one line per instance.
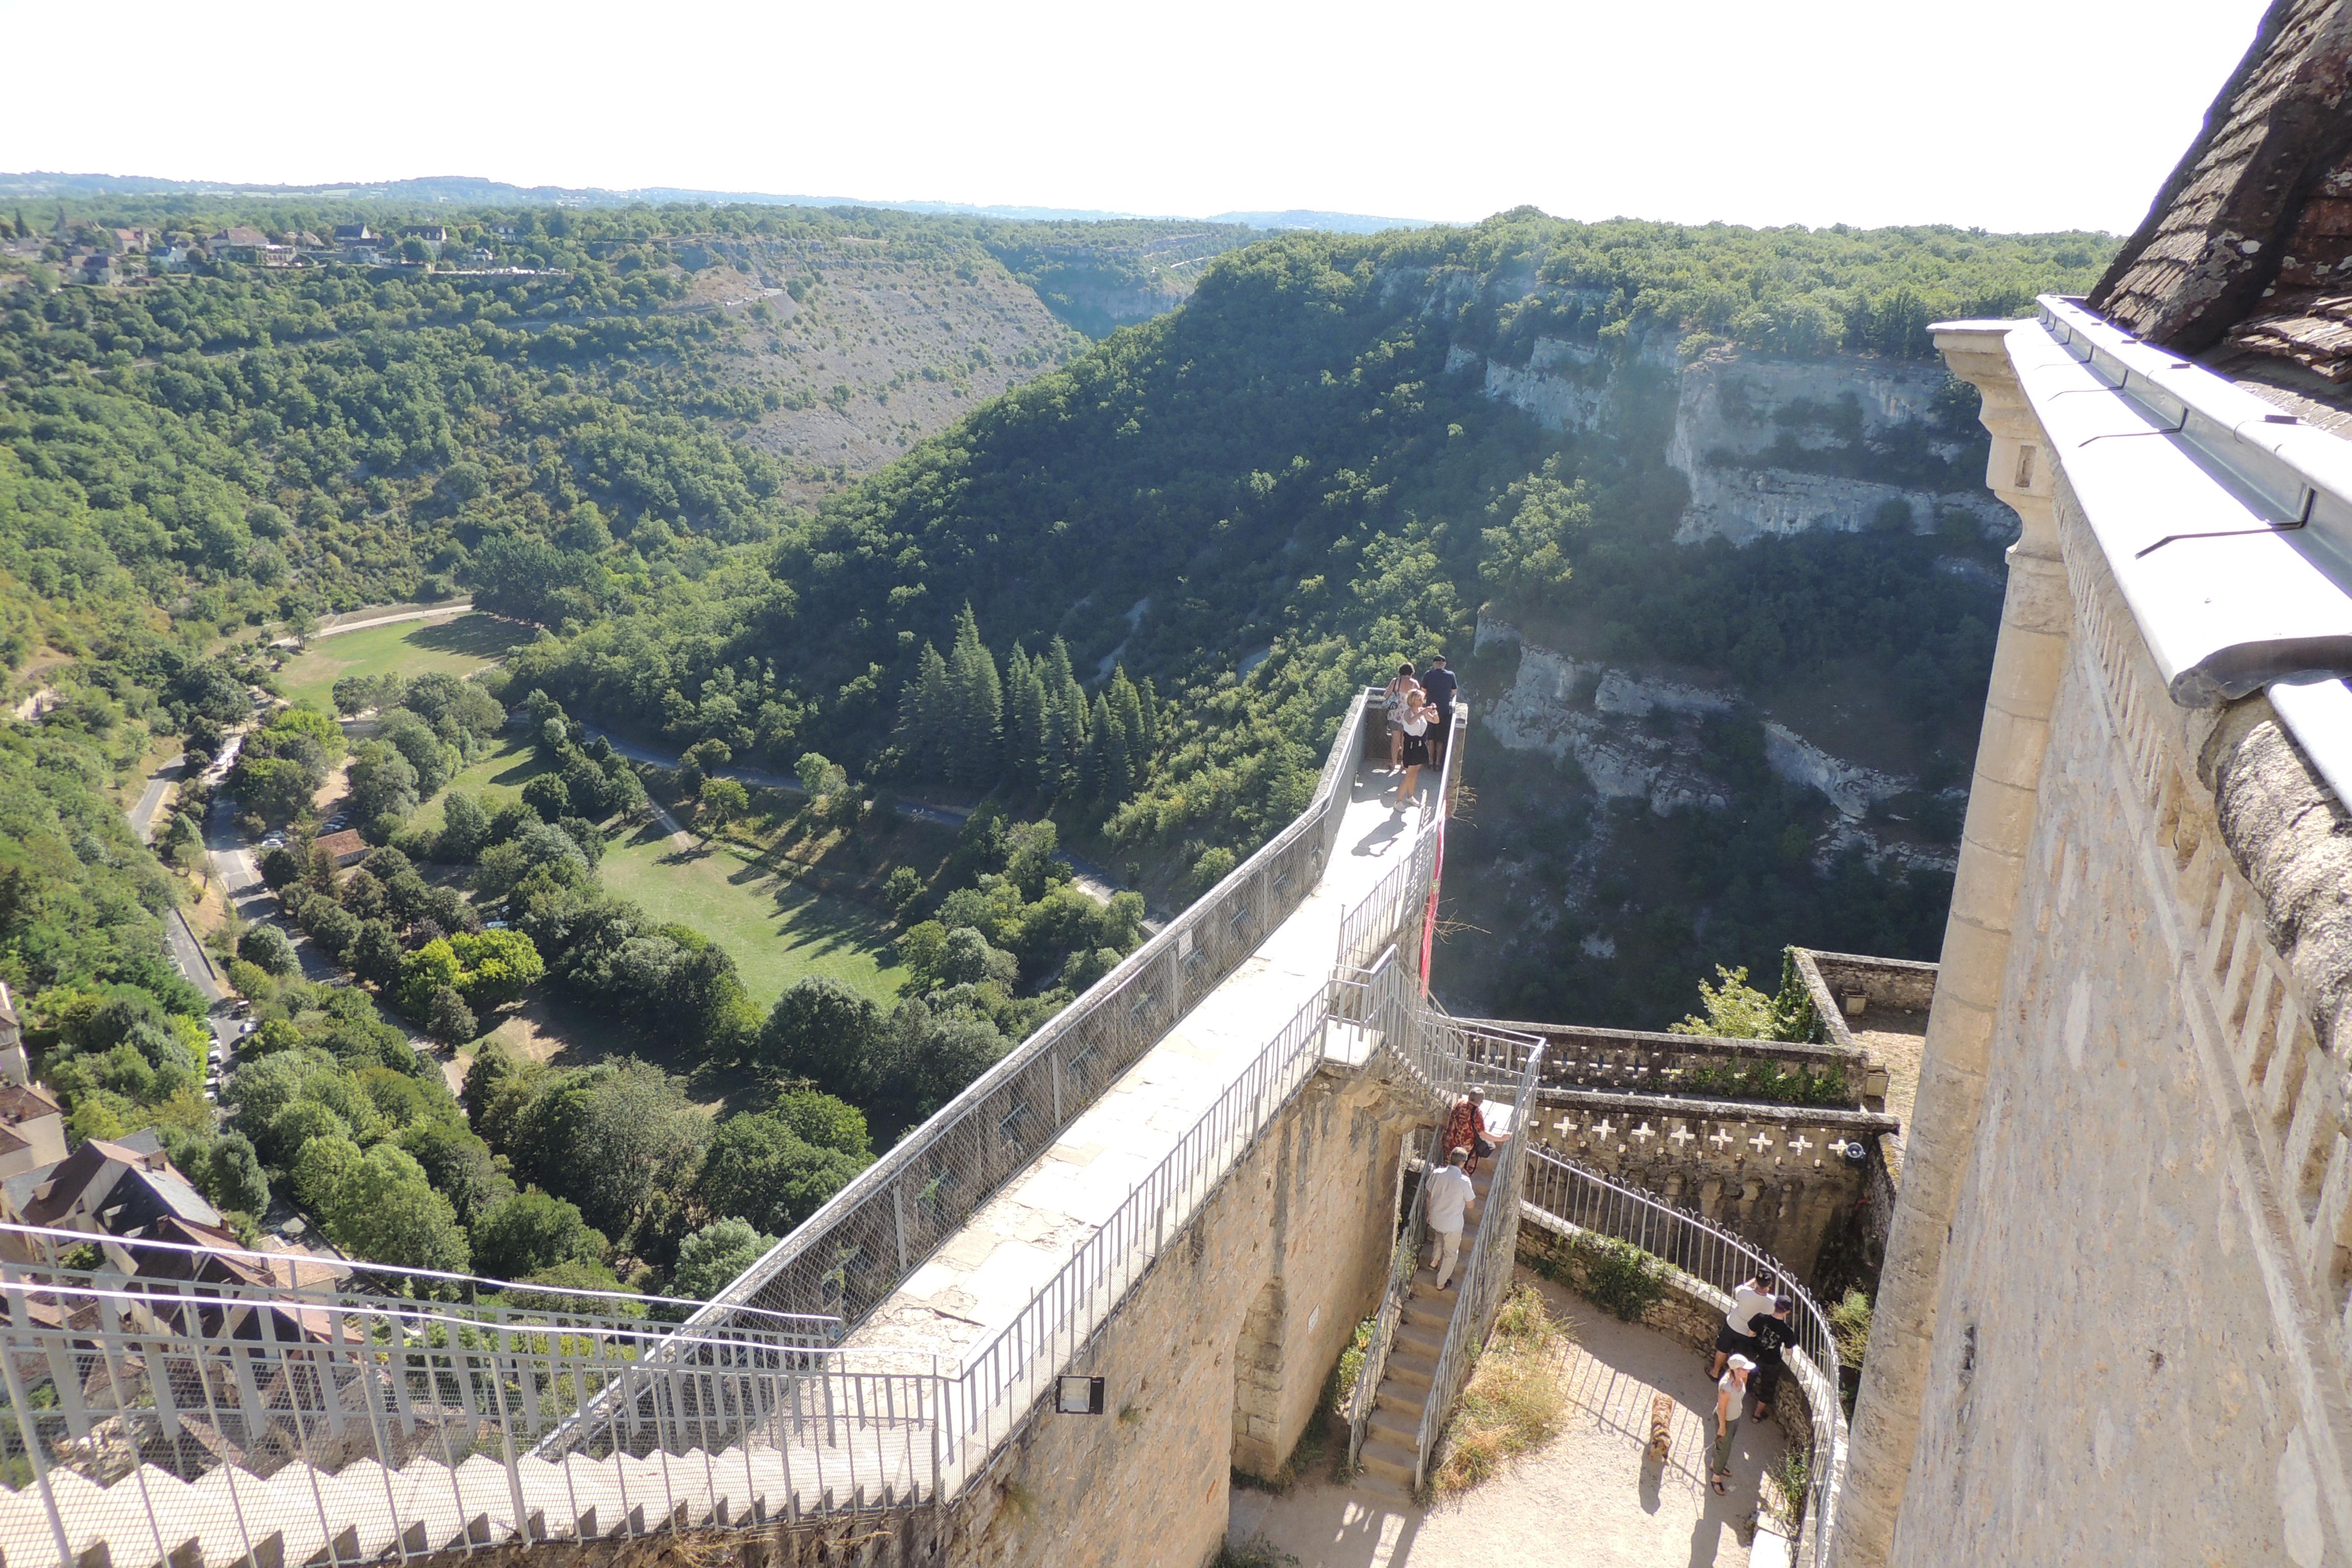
column 1594, row 1204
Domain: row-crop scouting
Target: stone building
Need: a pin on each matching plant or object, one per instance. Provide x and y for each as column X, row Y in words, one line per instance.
column 2113, row 1314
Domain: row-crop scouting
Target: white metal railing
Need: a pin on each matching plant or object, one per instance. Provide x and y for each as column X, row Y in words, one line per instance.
column 865, row 1242
column 1407, row 1229
column 1485, row 1273
column 998, row 1383
column 185, row 1413
column 1590, row 1203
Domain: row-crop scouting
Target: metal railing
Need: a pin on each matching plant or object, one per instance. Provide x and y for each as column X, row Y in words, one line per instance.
column 865, row 1242
column 1486, row 1276
column 1588, row 1202
column 1407, row 1229
column 1000, row 1382
column 185, row 1413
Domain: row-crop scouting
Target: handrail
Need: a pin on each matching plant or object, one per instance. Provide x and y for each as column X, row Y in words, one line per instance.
column 997, row 1384
column 1407, row 1225
column 1486, row 1274
column 1567, row 1195
column 43, row 1247
column 873, row 1234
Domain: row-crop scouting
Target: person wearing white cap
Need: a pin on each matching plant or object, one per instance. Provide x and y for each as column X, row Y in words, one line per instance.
column 1730, row 1404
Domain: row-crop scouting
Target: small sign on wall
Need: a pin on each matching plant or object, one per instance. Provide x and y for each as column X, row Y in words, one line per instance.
column 1078, row 1395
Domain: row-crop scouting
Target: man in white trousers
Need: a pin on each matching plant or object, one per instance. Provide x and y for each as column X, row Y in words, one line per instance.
column 1450, row 1197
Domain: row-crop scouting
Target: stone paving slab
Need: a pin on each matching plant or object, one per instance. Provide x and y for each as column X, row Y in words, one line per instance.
column 980, row 1280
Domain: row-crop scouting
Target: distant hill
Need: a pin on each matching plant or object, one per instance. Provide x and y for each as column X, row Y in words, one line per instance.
column 472, row 191
column 1331, row 223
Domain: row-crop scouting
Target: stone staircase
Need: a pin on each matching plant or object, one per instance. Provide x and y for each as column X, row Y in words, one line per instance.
column 1393, row 1436
column 300, row 1515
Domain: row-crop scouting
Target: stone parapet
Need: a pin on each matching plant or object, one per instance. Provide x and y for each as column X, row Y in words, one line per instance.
column 1777, row 1175
column 1646, row 1062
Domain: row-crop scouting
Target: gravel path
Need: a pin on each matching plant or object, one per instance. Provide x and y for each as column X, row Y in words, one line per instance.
column 1589, row 1499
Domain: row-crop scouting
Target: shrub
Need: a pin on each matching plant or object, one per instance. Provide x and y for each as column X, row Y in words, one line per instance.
column 1620, row 1278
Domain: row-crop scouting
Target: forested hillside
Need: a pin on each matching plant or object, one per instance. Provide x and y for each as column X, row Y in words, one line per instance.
column 1135, row 590
column 1142, row 588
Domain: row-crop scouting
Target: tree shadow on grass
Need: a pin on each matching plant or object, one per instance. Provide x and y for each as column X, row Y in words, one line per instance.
column 827, row 923
column 476, row 636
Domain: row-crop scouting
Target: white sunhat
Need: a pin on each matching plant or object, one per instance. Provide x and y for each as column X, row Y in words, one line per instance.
column 1740, row 1364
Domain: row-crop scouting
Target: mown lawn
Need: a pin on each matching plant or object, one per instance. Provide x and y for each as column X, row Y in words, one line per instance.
column 497, row 777
column 457, row 646
column 778, row 932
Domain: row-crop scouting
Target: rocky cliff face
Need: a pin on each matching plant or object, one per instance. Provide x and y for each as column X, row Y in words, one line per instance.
column 1778, row 446
column 1635, row 736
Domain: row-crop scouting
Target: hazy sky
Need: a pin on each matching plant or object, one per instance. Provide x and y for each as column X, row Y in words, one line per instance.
column 2009, row 114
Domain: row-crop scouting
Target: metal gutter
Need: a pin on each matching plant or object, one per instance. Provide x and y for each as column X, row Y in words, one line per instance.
column 2228, row 523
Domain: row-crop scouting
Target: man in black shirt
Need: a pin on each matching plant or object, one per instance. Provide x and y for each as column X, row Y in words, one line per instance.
column 1439, row 683
column 1773, row 1333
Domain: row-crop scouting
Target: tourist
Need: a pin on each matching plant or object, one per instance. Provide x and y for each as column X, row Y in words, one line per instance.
column 1730, row 1402
column 1773, row 1333
column 1450, row 1197
column 1440, row 686
column 1413, row 738
column 1466, row 1132
column 1394, row 703
column 1737, row 1337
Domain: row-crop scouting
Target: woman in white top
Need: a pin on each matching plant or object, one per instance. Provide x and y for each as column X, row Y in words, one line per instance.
column 1413, row 736
column 1394, row 704
column 1730, row 1404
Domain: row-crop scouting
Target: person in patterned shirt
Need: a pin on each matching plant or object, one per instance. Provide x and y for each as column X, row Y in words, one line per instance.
column 1465, row 1128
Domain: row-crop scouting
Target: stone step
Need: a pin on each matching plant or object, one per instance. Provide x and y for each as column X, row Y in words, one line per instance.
column 1409, row 1372
column 1384, row 1490
column 1389, row 1459
column 1419, row 1335
column 1402, row 1425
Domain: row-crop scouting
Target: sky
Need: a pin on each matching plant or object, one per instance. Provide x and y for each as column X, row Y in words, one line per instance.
column 2004, row 114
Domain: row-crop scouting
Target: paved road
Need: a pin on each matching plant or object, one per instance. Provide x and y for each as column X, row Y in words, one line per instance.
column 179, row 939
column 1093, row 880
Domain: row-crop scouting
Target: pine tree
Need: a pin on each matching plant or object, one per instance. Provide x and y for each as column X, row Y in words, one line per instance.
column 1065, row 719
column 1095, row 778
column 1135, row 749
column 925, row 712
column 1147, row 702
column 1025, row 714
column 975, row 748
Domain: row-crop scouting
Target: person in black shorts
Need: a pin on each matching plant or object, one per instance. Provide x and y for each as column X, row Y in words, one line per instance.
column 1440, row 686
column 1750, row 1301
column 1413, row 729
column 1771, row 1333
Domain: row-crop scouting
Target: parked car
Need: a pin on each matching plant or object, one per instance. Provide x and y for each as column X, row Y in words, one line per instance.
column 272, row 839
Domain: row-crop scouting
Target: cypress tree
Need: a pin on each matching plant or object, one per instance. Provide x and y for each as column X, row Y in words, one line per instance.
column 925, row 712
column 1065, row 719
column 976, row 696
column 1148, row 702
column 1127, row 707
column 1025, row 713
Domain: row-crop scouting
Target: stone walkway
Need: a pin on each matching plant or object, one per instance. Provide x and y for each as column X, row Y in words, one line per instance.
column 1591, row 1497
column 978, row 1282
